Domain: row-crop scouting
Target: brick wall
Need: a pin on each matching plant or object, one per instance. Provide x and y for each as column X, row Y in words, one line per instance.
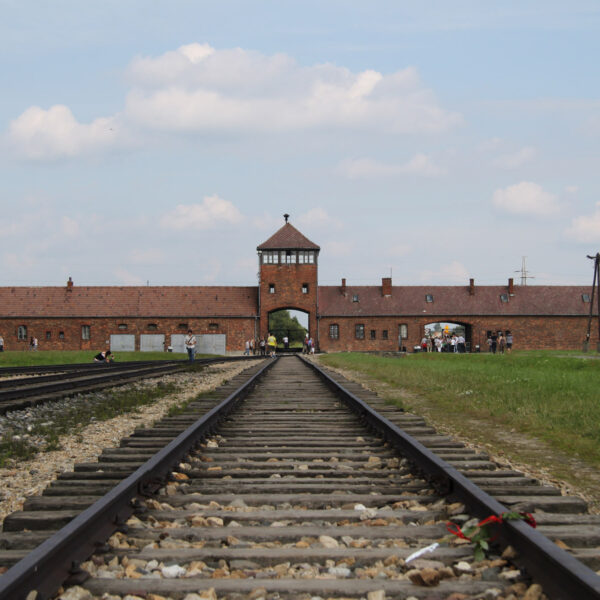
column 288, row 281
column 532, row 333
column 236, row 330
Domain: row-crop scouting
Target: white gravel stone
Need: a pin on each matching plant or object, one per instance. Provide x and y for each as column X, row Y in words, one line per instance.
column 173, row 571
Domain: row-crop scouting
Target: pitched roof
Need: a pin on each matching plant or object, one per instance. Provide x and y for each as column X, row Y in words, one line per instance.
column 288, row 238
column 130, row 301
column 454, row 301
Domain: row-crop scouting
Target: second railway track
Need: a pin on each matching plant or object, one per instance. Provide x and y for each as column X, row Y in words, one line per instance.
column 291, row 496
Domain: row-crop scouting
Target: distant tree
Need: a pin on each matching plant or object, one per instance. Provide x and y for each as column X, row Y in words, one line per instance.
column 282, row 323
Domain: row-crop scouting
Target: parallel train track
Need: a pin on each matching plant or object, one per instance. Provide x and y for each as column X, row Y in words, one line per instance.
column 292, row 495
column 37, row 385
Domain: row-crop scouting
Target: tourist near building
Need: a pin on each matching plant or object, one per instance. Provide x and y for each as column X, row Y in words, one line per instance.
column 342, row 317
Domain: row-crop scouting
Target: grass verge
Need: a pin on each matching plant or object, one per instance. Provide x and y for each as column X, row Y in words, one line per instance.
column 59, row 357
column 22, row 439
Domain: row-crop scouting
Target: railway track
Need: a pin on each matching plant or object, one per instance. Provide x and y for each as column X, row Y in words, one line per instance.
column 38, row 385
column 293, row 495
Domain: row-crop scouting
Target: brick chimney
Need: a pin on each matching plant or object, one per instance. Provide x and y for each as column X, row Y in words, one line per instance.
column 471, row 287
column 386, row 286
column 511, row 287
column 70, row 285
column 343, row 288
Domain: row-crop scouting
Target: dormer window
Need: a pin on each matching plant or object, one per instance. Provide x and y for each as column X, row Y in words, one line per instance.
column 354, row 297
column 503, row 297
column 585, row 297
column 428, row 297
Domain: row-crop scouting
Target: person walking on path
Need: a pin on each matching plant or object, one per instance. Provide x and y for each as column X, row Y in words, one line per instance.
column 190, row 345
column 262, row 345
column 272, row 344
column 509, row 342
column 1, row 344
column 247, row 348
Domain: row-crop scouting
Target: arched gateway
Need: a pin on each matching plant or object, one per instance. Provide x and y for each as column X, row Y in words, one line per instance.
column 288, row 276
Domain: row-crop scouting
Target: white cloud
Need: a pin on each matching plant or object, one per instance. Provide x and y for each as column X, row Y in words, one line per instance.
column 515, row 159
column 40, row 134
column 453, row 272
column 211, row 212
column 525, row 198
column 572, row 189
column 149, row 256
column 127, row 278
column 399, row 250
column 70, row 227
column 318, row 217
column 338, row 249
column 420, row 164
column 587, row 228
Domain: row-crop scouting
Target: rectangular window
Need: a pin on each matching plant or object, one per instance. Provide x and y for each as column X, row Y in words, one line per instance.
column 384, row 334
column 213, row 326
column 48, row 335
column 334, row 331
column 301, row 258
column 355, row 298
column 122, row 326
column 22, row 332
column 504, row 297
column 271, row 288
column 403, row 331
column 373, row 334
column 152, row 327
column 311, row 257
column 428, row 297
column 183, row 326
column 290, row 257
column 359, row 332
column 61, row 335
column 585, row 297
column 85, row 332
column 305, row 288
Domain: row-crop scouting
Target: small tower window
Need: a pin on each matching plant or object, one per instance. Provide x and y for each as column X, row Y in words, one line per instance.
column 290, row 257
column 271, row 288
column 305, row 288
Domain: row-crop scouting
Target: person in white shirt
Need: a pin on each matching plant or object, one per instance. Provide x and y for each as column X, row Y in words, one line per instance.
column 190, row 344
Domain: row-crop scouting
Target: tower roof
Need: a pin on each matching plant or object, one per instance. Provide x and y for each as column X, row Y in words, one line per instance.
column 288, row 238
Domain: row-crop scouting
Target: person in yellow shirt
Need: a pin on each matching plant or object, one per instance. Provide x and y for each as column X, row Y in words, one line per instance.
column 272, row 343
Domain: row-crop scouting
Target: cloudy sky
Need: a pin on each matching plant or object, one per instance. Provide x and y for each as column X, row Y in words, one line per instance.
column 162, row 141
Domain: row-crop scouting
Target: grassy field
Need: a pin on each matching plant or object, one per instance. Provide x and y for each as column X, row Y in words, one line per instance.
column 55, row 357
column 550, row 396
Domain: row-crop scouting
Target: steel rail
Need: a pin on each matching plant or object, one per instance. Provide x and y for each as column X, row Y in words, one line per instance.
column 562, row 576
column 49, row 565
column 32, row 369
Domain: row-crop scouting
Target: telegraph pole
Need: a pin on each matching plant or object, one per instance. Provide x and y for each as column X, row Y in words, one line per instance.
column 595, row 293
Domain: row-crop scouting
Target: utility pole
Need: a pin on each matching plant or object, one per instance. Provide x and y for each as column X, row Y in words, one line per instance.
column 595, row 293
column 523, row 270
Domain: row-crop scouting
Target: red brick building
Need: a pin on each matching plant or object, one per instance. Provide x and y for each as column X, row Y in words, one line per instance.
column 340, row 318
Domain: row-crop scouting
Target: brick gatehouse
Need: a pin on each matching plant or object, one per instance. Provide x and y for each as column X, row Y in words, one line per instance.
column 340, row 318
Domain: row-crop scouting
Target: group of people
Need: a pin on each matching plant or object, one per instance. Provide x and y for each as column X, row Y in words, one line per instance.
column 444, row 343
column 268, row 345
column 500, row 342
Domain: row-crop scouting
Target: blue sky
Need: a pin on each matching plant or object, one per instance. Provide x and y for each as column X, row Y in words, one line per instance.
column 162, row 142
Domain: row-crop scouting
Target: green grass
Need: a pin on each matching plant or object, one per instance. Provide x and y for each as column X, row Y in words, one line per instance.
column 549, row 395
column 42, row 432
column 59, row 357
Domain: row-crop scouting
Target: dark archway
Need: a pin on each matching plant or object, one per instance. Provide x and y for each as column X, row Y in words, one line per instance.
column 445, row 329
column 289, row 324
